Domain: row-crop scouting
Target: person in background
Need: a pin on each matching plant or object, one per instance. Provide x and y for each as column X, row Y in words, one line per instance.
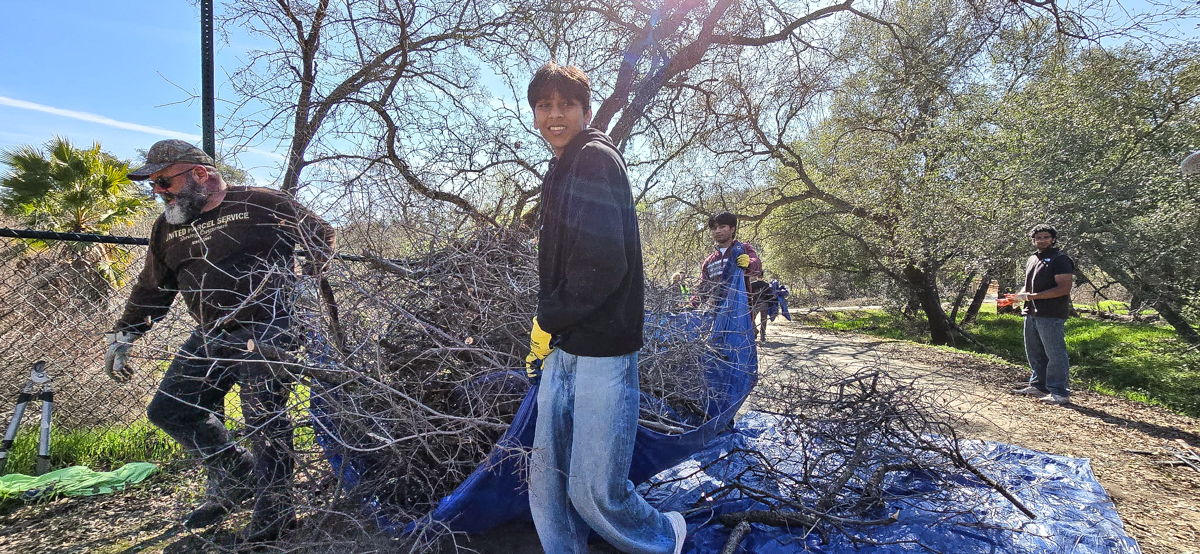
column 1047, row 303
column 723, row 227
column 679, row 281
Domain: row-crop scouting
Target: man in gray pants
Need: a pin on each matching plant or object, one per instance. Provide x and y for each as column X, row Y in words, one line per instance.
column 1047, row 298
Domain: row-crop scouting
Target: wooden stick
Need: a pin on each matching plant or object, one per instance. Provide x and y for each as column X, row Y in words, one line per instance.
column 735, row 537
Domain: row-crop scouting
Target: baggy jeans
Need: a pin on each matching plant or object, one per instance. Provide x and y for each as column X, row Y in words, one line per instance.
column 1046, row 350
column 582, row 448
column 189, row 404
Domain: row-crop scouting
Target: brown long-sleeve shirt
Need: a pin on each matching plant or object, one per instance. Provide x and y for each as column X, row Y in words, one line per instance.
column 233, row 264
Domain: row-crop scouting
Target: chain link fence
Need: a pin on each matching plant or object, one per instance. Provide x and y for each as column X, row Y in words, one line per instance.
column 59, row 294
column 421, row 374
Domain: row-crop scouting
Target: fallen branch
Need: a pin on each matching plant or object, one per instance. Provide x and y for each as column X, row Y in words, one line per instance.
column 787, row 520
column 735, row 537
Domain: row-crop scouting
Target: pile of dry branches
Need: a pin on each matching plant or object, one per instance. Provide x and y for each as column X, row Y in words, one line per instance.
column 856, row 432
column 430, row 368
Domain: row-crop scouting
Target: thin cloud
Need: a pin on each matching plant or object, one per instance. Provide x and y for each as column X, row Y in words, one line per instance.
column 99, row 119
column 93, row 118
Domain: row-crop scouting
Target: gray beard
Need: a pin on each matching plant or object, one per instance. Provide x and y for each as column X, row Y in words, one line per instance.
column 188, row 203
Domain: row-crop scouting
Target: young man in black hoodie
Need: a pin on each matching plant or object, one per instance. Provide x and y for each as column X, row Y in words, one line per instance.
column 586, row 336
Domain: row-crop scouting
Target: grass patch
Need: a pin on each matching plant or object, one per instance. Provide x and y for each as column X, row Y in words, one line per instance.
column 304, row 438
column 873, row 322
column 108, row 447
column 101, row 448
column 1142, row 362
column 1113, row 306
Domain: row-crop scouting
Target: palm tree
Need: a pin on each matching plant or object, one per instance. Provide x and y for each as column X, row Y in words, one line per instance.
column 68, row 189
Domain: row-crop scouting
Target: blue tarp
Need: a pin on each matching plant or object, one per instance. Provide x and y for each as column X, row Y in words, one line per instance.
column 495, row 493
column 1073, row 512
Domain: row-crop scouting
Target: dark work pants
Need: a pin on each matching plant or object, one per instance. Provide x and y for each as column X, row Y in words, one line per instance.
column 190, row 399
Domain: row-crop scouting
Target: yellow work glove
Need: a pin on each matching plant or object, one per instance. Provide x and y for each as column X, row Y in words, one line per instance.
column 743, row 261
column 539, row 348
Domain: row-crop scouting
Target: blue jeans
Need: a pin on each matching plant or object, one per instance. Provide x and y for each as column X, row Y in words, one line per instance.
column 1046, row 350
column 582, row 447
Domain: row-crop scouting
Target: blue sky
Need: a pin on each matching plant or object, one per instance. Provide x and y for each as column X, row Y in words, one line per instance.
column 125, row 73
column 122, row 72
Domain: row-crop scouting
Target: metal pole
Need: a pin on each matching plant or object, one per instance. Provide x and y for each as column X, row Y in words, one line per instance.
column 208, row 100
column 43, row 455
column 18, row 411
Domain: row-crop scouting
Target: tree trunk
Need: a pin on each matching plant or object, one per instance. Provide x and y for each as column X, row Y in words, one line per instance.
column 977, row 300
column 1135, row 305
column 924, row 283
column 1186, row 332
column 958, row 298
column 1166, row 308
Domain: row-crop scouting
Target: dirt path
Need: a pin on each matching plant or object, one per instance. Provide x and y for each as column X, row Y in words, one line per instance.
column 1160, row 505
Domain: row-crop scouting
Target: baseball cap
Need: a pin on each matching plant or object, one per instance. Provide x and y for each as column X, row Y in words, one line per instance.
column 164, row 153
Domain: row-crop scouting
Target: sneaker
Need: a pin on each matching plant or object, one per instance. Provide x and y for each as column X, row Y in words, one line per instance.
column 1055, row 399
column 680, row 527
column 1032, row 391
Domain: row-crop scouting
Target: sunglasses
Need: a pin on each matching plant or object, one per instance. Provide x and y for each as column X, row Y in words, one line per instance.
column 164, row 183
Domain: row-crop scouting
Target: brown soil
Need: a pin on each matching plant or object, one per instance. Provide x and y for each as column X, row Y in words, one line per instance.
column 1126, row 442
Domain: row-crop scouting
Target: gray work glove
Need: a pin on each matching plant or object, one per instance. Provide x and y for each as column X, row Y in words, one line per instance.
column 116, row 362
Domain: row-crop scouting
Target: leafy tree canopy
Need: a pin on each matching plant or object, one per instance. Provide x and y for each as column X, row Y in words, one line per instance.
column 64, row 188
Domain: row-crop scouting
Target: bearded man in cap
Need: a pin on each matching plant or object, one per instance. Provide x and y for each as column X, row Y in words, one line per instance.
column 229, row 251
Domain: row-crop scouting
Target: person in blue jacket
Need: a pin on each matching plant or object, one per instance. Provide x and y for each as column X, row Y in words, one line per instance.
column 586, row 336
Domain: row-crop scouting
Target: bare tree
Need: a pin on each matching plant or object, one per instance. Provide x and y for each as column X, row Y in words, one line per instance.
column 359, row 89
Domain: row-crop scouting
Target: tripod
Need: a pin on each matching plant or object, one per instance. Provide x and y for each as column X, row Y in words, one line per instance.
column 37, row 376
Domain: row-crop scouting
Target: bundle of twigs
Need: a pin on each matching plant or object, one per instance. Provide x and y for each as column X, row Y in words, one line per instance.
column 432, row 368
column 857, row 430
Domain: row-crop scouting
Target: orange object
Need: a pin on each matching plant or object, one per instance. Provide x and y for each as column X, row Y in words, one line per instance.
column 1007, row 300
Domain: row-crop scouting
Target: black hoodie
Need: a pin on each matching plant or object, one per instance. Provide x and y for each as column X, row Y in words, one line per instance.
column 590, row 252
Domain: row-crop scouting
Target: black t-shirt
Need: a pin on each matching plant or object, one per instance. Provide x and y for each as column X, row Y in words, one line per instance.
column 233, row 263
column 1040, row 270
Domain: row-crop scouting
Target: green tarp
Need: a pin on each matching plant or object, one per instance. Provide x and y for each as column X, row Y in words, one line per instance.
column 72, row 481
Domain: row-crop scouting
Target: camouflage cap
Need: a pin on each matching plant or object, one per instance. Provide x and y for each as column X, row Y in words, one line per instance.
column 164, row 153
